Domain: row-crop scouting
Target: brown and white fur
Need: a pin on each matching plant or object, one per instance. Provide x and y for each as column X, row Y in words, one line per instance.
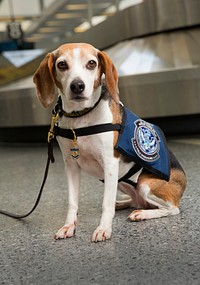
column 81, row 66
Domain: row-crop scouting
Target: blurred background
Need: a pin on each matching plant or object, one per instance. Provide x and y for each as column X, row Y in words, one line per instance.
column 154, row 44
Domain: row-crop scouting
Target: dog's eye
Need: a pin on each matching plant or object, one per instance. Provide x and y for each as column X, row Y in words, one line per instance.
column 62, row 65
column 91, row 64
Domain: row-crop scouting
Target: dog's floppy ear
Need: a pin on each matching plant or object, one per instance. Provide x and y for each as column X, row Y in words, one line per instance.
column 44, row 81
column 111, row 77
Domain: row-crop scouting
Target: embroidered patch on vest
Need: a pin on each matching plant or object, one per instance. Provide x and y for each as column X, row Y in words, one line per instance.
column 146, row 141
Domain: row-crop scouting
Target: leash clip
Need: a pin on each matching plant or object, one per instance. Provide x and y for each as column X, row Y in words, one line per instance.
column 74, row 149
column 51, row 134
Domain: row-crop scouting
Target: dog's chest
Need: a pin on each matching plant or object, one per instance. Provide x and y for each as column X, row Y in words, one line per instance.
column 89, row 149
column 91, row 152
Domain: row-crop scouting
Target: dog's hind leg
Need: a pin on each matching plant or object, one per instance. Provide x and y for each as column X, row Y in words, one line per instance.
column 159, row 198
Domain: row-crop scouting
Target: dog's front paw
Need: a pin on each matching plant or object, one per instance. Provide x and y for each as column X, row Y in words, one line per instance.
column 66, row 231
column 101, row 234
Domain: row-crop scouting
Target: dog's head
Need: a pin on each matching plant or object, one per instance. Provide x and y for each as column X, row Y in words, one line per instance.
column 76, row 70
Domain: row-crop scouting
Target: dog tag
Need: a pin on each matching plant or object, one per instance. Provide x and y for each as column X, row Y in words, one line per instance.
column 74, row 149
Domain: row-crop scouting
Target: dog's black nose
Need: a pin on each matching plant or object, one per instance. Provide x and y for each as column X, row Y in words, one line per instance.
column 77, row 86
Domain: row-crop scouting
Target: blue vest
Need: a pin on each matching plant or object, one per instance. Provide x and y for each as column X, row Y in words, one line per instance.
column 145, row 144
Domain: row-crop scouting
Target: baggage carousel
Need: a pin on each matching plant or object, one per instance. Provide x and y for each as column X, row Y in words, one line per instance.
column 158, row 67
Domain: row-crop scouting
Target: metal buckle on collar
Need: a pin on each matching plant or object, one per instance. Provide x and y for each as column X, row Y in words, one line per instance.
column 51, row 133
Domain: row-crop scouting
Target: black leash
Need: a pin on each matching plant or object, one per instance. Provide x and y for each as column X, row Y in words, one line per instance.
column 50, row 158
column 54, row 131
column 71, row 134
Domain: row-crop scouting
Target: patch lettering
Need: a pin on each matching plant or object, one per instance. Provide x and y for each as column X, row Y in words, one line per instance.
column 146, row 141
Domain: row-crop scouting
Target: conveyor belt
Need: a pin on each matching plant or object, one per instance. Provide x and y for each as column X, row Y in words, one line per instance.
column 159, row 77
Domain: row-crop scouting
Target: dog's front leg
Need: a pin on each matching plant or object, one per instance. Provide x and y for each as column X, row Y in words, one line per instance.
column 73, row 174
column 104, row 230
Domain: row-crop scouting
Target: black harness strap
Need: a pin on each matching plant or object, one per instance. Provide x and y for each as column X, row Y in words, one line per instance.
column 130, row 173
column 96, row 129
column 91, row 130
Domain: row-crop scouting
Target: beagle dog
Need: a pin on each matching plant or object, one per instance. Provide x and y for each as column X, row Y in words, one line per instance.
column 75, row 72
